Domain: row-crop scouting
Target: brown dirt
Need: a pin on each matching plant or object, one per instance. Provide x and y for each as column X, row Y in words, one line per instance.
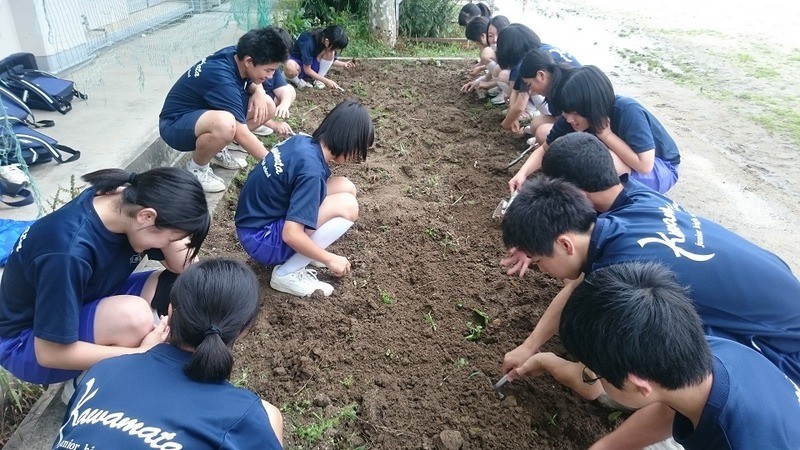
column 425, row 243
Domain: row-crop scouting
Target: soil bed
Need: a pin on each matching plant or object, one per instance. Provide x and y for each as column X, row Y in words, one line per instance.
column 424, row 251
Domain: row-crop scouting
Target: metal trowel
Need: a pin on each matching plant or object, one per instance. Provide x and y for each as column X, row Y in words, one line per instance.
column 499, row 386
column 500, row 211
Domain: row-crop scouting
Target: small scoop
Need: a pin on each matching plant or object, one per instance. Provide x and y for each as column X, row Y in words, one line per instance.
column 500, row 211
column 499, row 386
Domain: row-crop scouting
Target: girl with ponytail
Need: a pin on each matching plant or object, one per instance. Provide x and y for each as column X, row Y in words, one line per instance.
column 69, row 297
column 180, row 389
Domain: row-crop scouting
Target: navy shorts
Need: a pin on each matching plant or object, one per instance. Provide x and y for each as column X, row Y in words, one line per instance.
column 663, row 176
column 18, row 356
column 265, row 245
column 178, row 132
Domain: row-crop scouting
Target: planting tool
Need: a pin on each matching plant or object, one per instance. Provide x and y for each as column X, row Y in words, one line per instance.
column 340, row 88
column 499, row 386
column 522, row 155
column 500, row 211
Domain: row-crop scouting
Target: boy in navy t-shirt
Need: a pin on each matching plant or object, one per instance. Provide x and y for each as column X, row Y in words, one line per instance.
column 635, row 330
column 290, row 208
column 221, row 99
column 741, row 291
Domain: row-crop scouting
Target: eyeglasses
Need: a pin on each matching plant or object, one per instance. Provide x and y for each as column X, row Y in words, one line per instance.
column 587, row 378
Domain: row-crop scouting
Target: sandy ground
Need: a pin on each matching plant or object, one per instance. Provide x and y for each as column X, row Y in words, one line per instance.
column 739, row 63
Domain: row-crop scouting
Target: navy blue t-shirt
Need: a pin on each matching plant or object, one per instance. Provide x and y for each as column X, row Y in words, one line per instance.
column 65, row 259
column 740, row 290
column 751, row 405
column 146, row 401
column 213, row 83
column 559, row 56
column 277, row 81
column 289, row 183
column 636, row 126
column 635, row 191
column 304, row 49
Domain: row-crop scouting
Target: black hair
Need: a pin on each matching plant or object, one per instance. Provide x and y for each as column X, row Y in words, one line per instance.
column 265, row 45
column 213, row 302
column 476, row 28
column 635, row 318
column 588, row 92
column 513, row 43
column 544, row 209
column 175, row 195
column 583, row 160
column 347, row 130
column 335, row 34
column 499, row 22
column 471, row 10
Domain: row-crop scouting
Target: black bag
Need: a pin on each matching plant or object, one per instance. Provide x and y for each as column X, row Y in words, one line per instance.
column 35, row 147
column 38, row 89
column 13, row 106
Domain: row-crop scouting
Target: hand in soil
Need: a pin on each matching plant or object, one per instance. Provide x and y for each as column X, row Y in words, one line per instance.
column 339, row 266
column 515, row 359
column 516, row 261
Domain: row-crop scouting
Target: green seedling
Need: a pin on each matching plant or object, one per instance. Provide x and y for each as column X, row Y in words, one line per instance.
column 432, row 233
column 348, row 380
column 552, row 420
column 475, row 329
column 386, row 297
column 241, row 380
column 384, row 228
column 428, row 316
column 481, row 318
column 313, row 432
column 615, row 418
column 389, row 353
column 462, row 362
column 474, row 332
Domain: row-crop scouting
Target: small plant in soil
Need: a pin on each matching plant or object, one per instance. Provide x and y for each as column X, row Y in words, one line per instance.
column 348, row 380
column 432, row 233
column 389, row 353
column 386, row 297
column 475, row 329
column 552, row 420
column 615, row 418
column 461, row 362
column 428, row 316
column 241, row 380
column 384, row 228
column 313, row 432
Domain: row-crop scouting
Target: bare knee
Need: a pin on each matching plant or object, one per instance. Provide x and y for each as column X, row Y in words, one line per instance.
column 541, row 133
column 341, row 185
column 221, row 124
column 123, row 320
column 349, row 206
column 291, row 69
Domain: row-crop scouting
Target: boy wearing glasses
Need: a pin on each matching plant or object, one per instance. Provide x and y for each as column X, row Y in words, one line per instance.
column 637, row 333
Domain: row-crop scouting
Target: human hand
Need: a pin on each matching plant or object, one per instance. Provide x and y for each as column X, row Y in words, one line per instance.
column 516, row 128
column 515, row 183
column 516, row 358
column 257, row 106
column 467, row 87
column 478, row 68
column 338, row 265
column 282, row 111
column 330, row 84
column 532, row 367
column 350, row 64
column 283, row 128
column 157, row 336
column 516, row 261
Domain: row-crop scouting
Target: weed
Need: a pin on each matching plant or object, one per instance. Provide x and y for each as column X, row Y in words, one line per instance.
column 552, row 420
column 313, row 432
column 461, row 362
column 432, row 233
column 615, row 418
column 358, row 89
column 386, row 297
column 765, row 72
column 408, row 191
column 241, row 380
column 432, row 181
column 348, row 380
column 385, row 228
column 389, row 353
column 474, row 332
column 475, row 373
column 428, row 316
column 72, row 191
column 18, row 392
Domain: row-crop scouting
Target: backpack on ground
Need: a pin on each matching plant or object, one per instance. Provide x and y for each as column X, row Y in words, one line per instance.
column 13, row 106
column 38, row 89
column 34, row 147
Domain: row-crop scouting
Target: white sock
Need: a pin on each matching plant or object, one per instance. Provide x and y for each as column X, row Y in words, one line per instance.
column 324, row 67
column 296, row 79
column 191, row 165
column 325, row 235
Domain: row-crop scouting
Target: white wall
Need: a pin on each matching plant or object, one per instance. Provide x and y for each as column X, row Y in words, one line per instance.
column 9, row 42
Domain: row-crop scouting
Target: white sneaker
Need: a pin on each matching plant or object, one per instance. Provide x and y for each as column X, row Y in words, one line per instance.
column 319, row 84
column 234, row 147
column 531, row 141
column 493, row 92
column 500, row 99
column 13, row 179
column 262, row 130
column 208, row 179
column 226, row 161
column 302, row 84
column 527, row 129
column 316, row 264
column 302, row 283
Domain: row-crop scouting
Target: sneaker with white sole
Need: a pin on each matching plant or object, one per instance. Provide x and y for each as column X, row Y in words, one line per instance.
column 493, row 92
column 225, row 160
column 319, row 84
column 13, row 179
column 208, row 179
column 500, row 99
column 301, row 84
column 302, row 283
column 262, row 130
column 234, row 147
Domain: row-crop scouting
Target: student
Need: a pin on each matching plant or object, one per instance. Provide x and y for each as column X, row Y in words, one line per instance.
column 314, row 53
column 642, row 343
column 177, row 394
column 476, row 32
column 69, row 297
column 741, row 291
column 639, row 143
column 220, row 100
column 488, row 58
column 543, row 75
column 290, row 208
column 472, row 10
column 282, row 95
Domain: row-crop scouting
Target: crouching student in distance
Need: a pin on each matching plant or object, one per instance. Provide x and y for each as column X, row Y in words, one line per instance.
column 642, row 343
column 177, row 394
column 290, row 208
column 313, row 55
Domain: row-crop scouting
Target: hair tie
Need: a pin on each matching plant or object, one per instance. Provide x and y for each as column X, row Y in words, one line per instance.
column 211, row 330
column 131, row 177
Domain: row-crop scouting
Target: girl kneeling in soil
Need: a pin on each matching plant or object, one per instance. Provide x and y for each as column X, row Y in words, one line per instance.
column 69, row 297
column 476, row 32
column 313, row 55
column 638, row 142
column 178, row 391
column 290, row 208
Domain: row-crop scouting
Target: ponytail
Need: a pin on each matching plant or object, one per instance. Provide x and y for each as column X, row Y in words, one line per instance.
column 213, row 302
column 175, row 195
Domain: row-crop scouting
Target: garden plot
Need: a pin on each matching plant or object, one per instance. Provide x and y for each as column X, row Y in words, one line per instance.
column 403, row 355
